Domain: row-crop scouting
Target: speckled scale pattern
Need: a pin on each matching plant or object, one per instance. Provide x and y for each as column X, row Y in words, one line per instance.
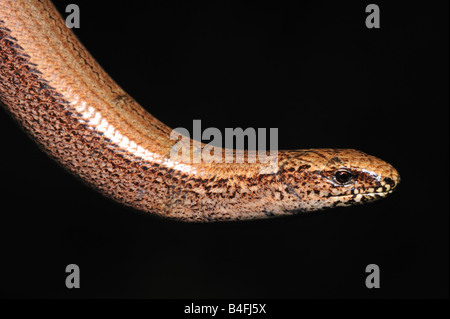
column 79, row 116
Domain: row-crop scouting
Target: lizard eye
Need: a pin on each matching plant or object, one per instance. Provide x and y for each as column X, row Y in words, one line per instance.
column 343, row 177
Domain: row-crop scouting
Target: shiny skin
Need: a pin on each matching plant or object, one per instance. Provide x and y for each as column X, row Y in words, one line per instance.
column 80, row 117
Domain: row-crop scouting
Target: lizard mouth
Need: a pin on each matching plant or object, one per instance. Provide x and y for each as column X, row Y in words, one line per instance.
column 368, row 193
column 365, row 194
column 363, row 197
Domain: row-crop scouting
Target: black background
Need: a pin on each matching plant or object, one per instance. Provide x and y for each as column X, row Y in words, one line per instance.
column 311, row 69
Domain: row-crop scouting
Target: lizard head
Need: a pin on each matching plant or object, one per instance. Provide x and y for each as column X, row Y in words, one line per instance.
column 323, row 178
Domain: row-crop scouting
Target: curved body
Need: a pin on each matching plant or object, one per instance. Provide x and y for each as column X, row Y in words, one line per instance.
column 77, row 114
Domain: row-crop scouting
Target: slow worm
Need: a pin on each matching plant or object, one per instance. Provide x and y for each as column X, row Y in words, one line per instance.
column 80, row 117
